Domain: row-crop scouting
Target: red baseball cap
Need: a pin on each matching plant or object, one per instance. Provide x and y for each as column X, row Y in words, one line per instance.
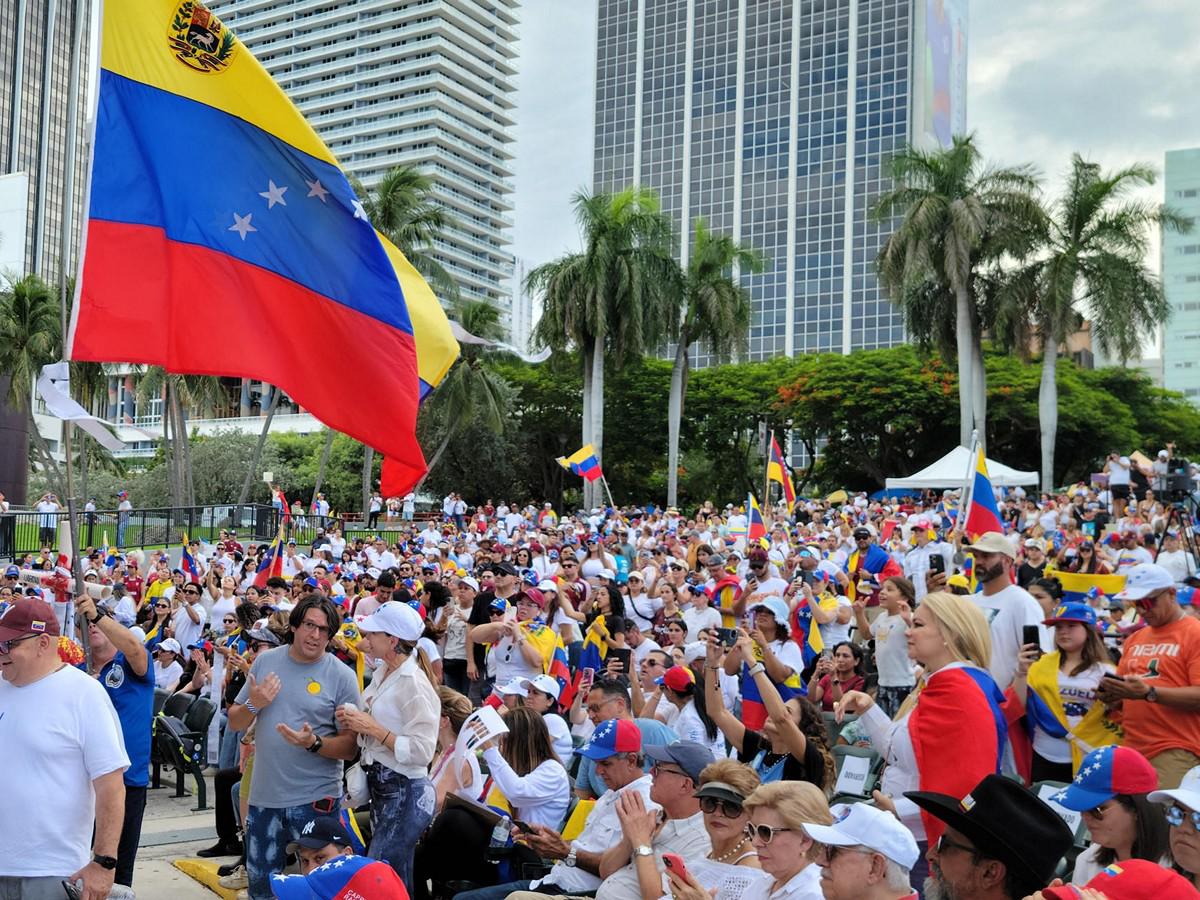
column 26, row 616
column 677, row 678
column 1133, row 879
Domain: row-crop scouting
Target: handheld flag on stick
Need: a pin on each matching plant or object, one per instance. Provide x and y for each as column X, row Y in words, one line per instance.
column 187, row 562
column 777, row 470
column 755, row 526
column 272, row 562
column 110, row 557
column 582, row 462
column 983, row 515
column 275, row 235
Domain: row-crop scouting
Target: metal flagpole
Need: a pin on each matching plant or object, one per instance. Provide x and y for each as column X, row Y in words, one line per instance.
column 964, row 502
column 77, row 570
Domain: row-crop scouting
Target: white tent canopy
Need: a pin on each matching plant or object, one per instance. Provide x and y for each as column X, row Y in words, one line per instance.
column 952, row 469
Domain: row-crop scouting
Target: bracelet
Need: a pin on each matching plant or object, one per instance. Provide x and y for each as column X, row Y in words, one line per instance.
column 756, row 668
column 251, row 707
column 712, row 668
column 385, row 737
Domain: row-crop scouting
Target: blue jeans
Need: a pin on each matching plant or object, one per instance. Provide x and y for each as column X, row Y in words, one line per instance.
column 227, row 755
column 401, row 810
column 268, row 832
column 495, row 892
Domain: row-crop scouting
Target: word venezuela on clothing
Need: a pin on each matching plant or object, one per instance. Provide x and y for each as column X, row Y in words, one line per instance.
column 222, row 238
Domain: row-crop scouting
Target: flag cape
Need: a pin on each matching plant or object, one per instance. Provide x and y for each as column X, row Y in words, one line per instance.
column 983, row 515
column 878, row 562
column 755, row 526
column 582, row 462
column 721, row 596
column 187, row 562
column 1045, row 709
column 110, row 558
column 777, row 470
column 554, row 655
column 591, row 656
column 272, row 562
column 272, row 239
column 802, row 629
column 1078, row 587
column 958, row 732
column 754, row 711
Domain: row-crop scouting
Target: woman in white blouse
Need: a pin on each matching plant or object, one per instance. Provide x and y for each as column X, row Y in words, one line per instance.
column 527, row 770
column 956, row 705
column 397, row 733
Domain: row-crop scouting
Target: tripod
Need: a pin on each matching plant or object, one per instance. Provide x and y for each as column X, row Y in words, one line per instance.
column 1182, row 512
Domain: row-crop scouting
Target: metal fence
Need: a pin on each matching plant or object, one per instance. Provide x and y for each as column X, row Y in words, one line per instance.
column 27, row 531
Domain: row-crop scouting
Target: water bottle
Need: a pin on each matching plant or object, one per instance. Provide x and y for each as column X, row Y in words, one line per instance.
column 498, row 845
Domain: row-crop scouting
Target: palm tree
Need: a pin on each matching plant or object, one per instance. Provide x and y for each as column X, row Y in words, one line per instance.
column 716, row 312
column 30, row 337
column 954, row 216
column 401, row 207
column 248, row 481
column 471, row 393
column 612, row 298
column 179, row 393
column 1089, row 263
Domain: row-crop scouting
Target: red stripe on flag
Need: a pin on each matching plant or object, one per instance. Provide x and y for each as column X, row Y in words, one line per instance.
column 199, row 323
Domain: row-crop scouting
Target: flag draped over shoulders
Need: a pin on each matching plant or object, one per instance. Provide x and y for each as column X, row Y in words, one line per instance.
column 1045, row 708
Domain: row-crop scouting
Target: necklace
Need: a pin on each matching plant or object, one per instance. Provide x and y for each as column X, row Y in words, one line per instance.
column 732, row 852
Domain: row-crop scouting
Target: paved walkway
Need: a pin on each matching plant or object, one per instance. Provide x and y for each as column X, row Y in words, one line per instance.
column 172, row 829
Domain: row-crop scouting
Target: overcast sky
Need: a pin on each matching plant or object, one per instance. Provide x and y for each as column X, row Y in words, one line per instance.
column 1114, row 79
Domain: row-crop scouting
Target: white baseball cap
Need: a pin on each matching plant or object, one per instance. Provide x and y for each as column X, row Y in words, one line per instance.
column 1188, row 792
column 694, row 651
column 172, row 645
column 374, row 572
column 859, row 825
column 516, row 686
column 397, row 619
column 469, row 581
column 548, row 586
column 1145, row 579
column 544, row 683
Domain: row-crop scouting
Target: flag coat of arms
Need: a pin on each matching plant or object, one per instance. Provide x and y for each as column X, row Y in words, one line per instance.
column 222, row 238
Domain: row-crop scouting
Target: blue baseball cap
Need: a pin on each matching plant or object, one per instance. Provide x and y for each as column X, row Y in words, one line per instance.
column 612, row 737
column 342, row 877
column 12, row 572
column 1185, row 594
column 1072, row 612
column 1105, row 773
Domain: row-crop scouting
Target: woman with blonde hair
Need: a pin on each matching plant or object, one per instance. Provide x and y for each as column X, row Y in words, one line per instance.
column 777, row 813
column 950, row 731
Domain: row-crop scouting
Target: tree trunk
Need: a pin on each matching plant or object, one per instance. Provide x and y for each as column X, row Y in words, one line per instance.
column 328, row 446
column 244, row 404
column 244, row 495
column 1048, row 410
column 368, row 465
column 437, row 455
column 586, row 359
column 966, row 366
column 674, row 418
column 598, row 417
column 979, row 386
column 186, row 482
column 168, row 447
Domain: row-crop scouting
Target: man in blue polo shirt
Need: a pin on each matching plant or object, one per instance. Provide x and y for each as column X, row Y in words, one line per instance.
column 120, row 658
column 609, row 699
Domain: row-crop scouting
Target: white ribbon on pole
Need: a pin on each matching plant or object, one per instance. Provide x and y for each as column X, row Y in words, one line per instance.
column 53, row 386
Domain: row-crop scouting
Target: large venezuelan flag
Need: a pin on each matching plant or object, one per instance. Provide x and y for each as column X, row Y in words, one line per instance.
column 983, row 515
column 222, row 237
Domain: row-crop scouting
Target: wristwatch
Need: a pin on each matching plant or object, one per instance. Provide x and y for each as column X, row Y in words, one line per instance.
column 105, row 862
column 101, row 612
column 1151, row 695
column 315, row 746
column 643, row 850
column 569, row 859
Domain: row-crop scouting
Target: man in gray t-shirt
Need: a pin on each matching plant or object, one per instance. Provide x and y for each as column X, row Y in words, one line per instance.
column 291, row 693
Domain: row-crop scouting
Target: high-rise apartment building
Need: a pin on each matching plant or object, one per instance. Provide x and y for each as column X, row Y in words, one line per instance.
column 772, row 119
column 1181, row 277
column 425, row 83
column 36, row 37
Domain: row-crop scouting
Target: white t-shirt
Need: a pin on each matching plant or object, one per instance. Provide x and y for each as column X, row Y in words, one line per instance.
column 1078, row 694
column 834, row 632
column 1007, row 612
column 184, row 629
column 690, row 727
column 64, row 732
column 1179, row 563
column 891, row 651
column 167, row 678
column 696, row 619
column 1139, row 555
column 637, row 606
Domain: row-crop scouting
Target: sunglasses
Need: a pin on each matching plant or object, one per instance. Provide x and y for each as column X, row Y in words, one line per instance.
column 676, row 568
column 729, row 809
column 229, row 620
column 1176, row 814
column 193, row 593
column 6, row 646
column 162, row 606
column 1097, row 812
column 944, row 843
column 764, row 833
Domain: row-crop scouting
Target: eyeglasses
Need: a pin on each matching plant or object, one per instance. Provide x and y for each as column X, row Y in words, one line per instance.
column 763, row 833
column 6, row 646
column 313, row 626
column 657, row 770
column 729, row 808
column 1176, row 814
column 827, row 853
column 944, row 843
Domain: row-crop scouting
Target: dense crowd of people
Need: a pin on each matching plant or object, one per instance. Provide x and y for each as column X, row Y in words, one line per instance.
column 509, row 702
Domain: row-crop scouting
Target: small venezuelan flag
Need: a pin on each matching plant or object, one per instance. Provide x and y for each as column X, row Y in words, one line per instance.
column 777, row 470
column 582, row 462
